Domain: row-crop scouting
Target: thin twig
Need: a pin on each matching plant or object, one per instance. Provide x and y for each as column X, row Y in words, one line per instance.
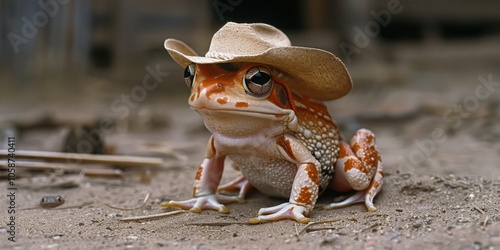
column 123, row 160
column 38, row 166
column 130, row 209
column 319, row 229
column 153, row 216
column 219, row 224
column 73, row 168
column 103, row 173
column 316, row 223
column 478, row 209
column 485, row 223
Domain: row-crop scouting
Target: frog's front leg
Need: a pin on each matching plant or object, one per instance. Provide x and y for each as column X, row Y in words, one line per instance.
column 305, row 185
column 358, row 167
column 206, row 181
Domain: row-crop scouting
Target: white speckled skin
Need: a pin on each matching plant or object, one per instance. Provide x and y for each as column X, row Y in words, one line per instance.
column 285, row 145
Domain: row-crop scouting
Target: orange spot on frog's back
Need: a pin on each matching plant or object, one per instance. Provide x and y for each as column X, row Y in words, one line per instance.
column 365, row 149
column 241, row 104
column 352, row 162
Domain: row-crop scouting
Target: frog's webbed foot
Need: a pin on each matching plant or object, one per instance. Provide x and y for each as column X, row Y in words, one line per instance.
column 211, row 202
column 284, row 211
column 240, row 185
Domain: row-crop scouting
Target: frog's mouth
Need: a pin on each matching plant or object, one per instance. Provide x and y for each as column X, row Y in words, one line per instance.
column 230, row 123
column 234, row 112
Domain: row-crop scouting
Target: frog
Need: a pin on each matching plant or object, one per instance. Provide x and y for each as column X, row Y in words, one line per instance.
column 282, row 140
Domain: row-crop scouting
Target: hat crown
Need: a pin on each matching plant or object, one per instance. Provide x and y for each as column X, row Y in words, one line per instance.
column 314, row 73
column 235, row 40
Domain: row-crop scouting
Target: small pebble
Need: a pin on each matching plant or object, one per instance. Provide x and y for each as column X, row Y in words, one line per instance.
column 132, row 237
column 417, row 224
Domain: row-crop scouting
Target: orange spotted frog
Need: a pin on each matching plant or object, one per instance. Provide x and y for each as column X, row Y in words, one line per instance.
column 262, row 100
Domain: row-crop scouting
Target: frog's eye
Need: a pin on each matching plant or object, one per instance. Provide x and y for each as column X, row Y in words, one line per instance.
column 59, row 198
column 258, row 81
column 189, row 73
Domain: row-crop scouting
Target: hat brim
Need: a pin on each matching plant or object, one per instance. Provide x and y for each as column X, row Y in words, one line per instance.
column 314, row 73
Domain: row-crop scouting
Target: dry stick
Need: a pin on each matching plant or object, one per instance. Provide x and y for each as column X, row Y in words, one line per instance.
column 123, row 160
column 486, row 221
column 316, row 223
column 478, row 209
column 219, row 224
column 130, row 209
column 319, row 229
column 103, row 173
column 30, row 165
column 40, row 166
column 153, row 216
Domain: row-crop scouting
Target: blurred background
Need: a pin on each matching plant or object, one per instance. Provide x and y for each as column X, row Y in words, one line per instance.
column 72, row 62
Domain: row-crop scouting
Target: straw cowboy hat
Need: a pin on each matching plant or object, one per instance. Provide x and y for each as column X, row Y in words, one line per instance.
column 313, row 72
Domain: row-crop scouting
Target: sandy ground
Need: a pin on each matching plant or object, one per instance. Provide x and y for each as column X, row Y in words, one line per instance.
column 441, row 190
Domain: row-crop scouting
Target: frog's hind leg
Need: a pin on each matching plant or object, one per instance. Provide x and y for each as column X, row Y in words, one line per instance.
column 240, row 185
column 359, row 167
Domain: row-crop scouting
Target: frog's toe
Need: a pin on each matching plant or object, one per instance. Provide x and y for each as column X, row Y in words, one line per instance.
column 281, row 212
column 360, row 196
column 240, row 185
column 356, row 198
column 208, row 202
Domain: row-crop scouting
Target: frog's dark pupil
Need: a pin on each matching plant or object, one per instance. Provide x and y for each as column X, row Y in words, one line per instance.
column 187, row 72
column 260, row 78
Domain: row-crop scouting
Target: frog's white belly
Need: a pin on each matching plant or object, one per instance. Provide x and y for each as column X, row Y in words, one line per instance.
column 271, row 176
